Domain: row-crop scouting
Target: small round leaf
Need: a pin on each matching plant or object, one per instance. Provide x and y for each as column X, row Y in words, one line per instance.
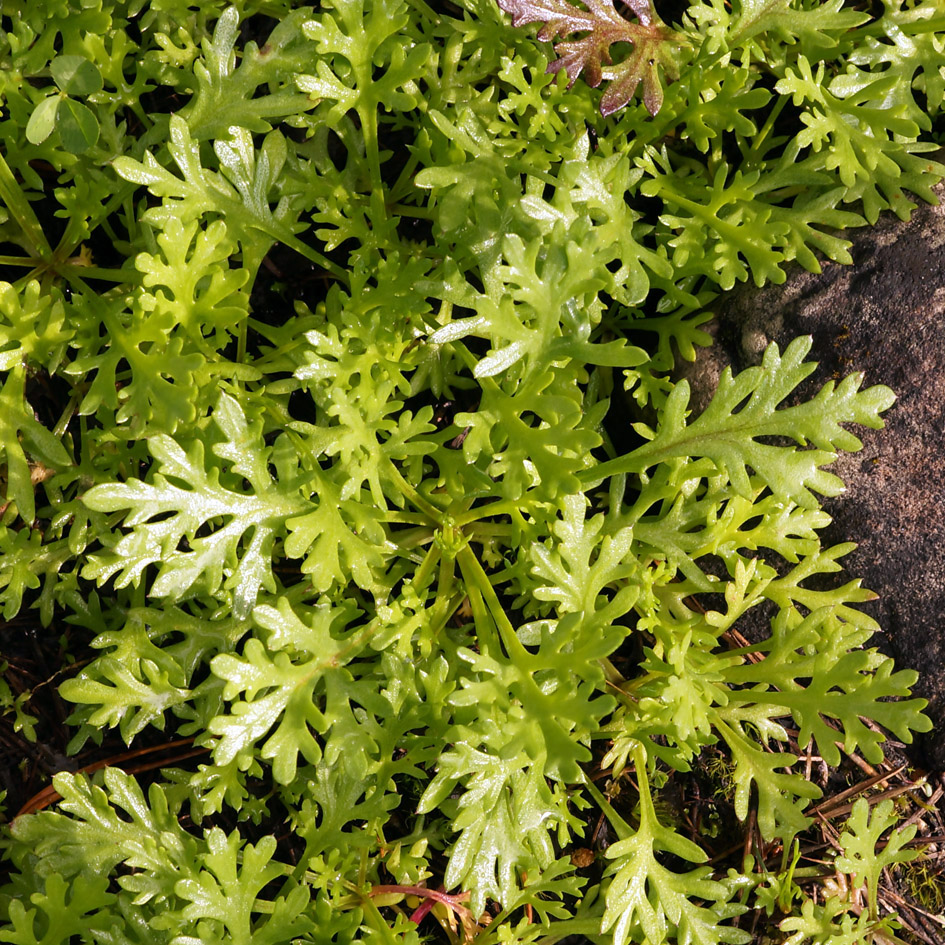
column 75, row 75
column 78, row 126
column 43, row 120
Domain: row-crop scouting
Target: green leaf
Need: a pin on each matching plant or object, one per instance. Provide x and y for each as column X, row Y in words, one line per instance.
column 782, row 796
column 168, row 377
column 550, row 699
column 708, row 226
column 62, row 910
column 345, row 803
column 43, row 120
column 33, row 326
column 226, row 93
column 846, row 686
column 88, row 836
column 745, row 408
column 818, row 924
column 19, row 552
column 861, row 128
column 540, row 426
column 16, row 200
column 862, row 858
column 505, row 818
column 148, row 662
column 344, row 380
column 192, row 288
column 76, row 75
column 237, row 556
column 127, row 700
column 241, row 197
column 225, row 893
column 290, row 697
column 365, row 58
column 359, row 381
column 339, row 540
column 812, row 26
column 77, row 125
column 17, row 423
column 646, row 897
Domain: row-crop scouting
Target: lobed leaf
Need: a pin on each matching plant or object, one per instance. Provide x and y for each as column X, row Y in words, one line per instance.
column 745, row 408
column 653, row 46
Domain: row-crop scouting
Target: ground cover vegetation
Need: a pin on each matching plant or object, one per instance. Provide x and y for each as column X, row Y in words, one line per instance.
column 346, row 481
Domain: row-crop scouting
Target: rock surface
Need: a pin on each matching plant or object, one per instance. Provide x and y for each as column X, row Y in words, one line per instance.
column 884, row 316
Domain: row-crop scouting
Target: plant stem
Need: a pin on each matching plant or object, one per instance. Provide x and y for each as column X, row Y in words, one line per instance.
column 12, row 195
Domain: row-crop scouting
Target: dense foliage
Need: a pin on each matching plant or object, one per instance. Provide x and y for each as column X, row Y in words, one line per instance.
column 338, row 413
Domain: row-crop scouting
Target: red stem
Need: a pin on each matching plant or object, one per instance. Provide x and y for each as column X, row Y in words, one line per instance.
column 429, row 897
column 420, row 913
column 422, row 892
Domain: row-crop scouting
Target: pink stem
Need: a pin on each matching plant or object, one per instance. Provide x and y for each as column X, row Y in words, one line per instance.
column 430, row 896
column 420, row 913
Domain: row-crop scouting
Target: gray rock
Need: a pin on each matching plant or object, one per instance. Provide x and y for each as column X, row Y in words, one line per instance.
column 882, row 316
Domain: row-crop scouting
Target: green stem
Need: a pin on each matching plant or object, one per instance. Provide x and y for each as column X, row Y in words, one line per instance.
column 477, row 586
column 425, row 10
column 501, row 507
column 431, row 511
column 622, row 828
column 446, row 578
column 119, row 276
column 766, row 129
column 12, row 195
column 368, row 116
column 485, row 531
column 241, row 334
column 477, row 579
column 406, row 210
column 408, row 518
column 63, row 422
column 426, row 567
column 686, row 444
column 24, row 261
column 375, row 920
column 70, row 239
column 312, row 255
column 485, row 629
column 628, row 687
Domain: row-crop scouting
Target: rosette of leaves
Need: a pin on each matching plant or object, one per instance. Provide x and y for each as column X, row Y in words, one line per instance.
column 340, row 429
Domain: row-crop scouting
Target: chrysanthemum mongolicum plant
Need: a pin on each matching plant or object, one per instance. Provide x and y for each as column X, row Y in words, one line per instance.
column 338, row 419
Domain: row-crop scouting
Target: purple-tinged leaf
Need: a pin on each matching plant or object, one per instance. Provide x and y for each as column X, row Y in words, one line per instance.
column 652, row 43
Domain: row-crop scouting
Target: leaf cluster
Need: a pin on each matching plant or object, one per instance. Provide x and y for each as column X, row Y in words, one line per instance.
column 338, row 420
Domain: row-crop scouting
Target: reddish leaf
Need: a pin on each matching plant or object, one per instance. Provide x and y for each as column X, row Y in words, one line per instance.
column 651, row 40
column 649, row 52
